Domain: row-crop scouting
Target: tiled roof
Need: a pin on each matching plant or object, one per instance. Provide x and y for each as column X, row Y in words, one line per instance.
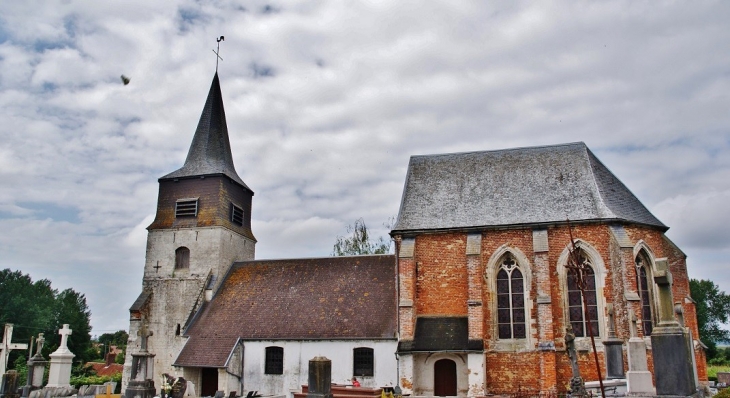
column 299, row 299
column 537, row 185
column 102, row 369
column 210, row 151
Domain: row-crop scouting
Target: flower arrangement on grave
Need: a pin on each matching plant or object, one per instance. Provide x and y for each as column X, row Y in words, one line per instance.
column 165, row 385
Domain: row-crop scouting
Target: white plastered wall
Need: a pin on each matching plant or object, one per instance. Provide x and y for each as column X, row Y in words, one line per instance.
column 296, row 364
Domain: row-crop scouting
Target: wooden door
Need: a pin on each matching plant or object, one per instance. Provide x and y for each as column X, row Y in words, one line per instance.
column 209, row 384
column 444, row 378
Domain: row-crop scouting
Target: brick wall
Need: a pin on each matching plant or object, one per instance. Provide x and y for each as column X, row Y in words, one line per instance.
column 441, row 272
column 442, row 286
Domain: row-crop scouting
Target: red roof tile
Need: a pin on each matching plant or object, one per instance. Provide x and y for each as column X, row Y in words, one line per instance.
column 299, row 299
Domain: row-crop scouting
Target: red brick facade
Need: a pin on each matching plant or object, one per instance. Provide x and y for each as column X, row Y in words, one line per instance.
column 440, row 278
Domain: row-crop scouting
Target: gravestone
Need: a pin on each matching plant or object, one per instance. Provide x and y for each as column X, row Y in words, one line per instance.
column 59, row 374
column 141, row 383
column 320, row 378
column 190, row 390
column 9, row 385
column 671, row 346
column 638, row 378
column 36, row 368
column 178, row 386
column 613, row 350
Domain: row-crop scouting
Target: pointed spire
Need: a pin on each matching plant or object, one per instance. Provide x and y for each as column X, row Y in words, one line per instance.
column 210, row 151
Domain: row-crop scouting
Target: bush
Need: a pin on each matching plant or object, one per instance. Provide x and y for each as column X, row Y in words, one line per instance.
column 724, row 393
column 78, row 381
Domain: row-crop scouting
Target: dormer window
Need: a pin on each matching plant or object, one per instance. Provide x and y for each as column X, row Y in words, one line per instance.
column 236, row 215
column 186, row 207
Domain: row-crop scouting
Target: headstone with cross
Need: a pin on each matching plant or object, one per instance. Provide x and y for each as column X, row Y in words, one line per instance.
column 7, row 345
column 141, row 383
column 672, row 350
column 59, row 374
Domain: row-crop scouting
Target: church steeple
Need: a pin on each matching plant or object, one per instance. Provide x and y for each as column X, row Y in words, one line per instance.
column 210, row 151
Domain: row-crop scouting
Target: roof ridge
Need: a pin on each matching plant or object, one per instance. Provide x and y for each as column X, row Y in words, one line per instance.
column 567, row 144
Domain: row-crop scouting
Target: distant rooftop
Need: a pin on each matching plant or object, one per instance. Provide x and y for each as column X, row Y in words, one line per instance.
column 536, row 185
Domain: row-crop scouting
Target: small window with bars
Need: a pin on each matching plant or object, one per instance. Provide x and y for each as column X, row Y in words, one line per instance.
column 362, row 363
column 186, row 207
column 274, row 361
column 236, row 215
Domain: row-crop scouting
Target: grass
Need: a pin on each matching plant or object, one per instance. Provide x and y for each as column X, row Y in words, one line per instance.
column 713, row 369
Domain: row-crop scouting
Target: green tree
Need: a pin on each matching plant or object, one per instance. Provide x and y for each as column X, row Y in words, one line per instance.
column 71, row 308
column 118, row 339
column 35, row 307
column 713, row 307
column 359, row 242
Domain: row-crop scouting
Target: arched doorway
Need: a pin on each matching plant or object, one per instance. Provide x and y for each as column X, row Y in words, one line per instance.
column 444, row 378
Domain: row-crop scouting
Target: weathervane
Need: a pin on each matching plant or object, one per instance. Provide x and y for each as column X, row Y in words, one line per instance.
column 219, row 40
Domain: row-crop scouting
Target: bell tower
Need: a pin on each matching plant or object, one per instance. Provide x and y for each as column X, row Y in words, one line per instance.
column 202, row 226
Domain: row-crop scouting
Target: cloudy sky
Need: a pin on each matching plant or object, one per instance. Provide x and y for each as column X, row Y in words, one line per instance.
column 325, row 103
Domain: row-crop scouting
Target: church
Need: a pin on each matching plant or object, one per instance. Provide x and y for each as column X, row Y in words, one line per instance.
column 475, row 300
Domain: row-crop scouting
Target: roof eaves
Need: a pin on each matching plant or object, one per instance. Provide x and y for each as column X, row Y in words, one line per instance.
column 542, row 225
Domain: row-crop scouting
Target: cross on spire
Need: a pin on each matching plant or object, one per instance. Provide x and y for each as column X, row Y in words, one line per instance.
column 218, row 57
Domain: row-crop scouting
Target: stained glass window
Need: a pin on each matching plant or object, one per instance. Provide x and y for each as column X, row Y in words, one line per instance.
column 576, row 307
column 511, row 319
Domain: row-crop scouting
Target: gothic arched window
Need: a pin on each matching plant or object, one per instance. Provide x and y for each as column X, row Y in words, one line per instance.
column 576, row 306
column 645, row 292
column 510, row 300
column 182, row 258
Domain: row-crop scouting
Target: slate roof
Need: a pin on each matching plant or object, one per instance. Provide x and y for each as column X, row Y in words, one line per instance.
column 210, row 151
column 350, row 297
column 536, row 185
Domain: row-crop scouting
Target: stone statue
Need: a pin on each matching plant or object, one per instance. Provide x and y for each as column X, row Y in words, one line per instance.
column 577, row 387
column 39, row 344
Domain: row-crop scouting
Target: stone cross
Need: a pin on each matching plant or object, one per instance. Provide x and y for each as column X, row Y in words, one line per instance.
column 144, row 333
column 6, row 345
column 65, row 331
column 663, row 280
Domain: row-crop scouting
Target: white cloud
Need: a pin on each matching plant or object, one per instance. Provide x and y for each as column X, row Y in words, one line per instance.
column 356, row 88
